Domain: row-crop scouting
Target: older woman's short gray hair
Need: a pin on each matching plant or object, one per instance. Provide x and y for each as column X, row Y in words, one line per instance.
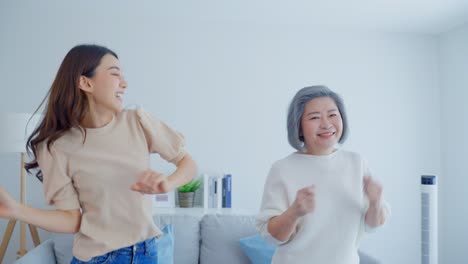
column 296, row 110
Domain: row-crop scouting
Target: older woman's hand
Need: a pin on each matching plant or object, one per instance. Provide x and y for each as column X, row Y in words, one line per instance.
column 152, row 182
column 305, row 201
column 373, row 190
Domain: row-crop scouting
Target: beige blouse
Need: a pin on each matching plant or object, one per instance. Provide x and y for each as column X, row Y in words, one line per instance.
column 96, row 176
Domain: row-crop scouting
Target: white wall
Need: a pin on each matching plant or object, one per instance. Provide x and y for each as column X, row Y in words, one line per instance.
column 453, row 91
column 226, row 86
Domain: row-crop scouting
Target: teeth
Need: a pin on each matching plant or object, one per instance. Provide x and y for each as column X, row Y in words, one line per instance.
column 118, row 95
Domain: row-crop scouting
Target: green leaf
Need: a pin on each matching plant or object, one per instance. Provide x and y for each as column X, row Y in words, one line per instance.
column 195, row 185
column 192, row 186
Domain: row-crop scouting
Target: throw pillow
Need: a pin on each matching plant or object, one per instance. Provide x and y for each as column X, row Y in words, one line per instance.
column 166, row 246
column 257, row 249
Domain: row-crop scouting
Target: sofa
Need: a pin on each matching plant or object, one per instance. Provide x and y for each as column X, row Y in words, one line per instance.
column 211, row 238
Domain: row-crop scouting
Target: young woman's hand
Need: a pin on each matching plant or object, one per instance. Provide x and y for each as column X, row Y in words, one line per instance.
column 152, row 182
column 8, row 205
column 373, row 190
column 305, row 201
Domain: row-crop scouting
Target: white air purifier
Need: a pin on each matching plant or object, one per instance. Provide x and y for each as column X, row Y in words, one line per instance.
column 429, row 245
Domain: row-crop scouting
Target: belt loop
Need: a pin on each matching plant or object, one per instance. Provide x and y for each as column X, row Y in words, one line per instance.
column 146, row 244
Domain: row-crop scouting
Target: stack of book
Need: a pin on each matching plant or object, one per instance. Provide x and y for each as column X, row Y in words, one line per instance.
column 217, row 191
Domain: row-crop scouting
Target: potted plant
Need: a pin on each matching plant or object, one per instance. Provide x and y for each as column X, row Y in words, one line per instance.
column 187, row 193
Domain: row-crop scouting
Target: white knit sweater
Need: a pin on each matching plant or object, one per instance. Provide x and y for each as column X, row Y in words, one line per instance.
column 332, row 232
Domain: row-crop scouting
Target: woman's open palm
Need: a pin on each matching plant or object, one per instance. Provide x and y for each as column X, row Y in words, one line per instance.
column 7, row 204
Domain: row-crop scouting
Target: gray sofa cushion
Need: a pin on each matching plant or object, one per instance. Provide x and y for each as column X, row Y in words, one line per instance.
column 42, row 254
column 63, row 247
column 220, row 235
column 186, row 236
column 366, row 259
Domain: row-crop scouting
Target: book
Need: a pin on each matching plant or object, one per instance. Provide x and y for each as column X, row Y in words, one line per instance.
column 219, row 192
column 206, row 190
column 227, row 191
column 212, row 192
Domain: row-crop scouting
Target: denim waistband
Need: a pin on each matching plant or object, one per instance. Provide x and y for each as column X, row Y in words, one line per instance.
column 148, row 245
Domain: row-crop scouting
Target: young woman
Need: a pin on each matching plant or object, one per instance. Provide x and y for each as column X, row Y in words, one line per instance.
column 318, row 201
column 93, row 159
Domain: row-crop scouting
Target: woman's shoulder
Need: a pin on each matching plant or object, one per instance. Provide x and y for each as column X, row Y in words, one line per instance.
column 136, row 113
column 131, row 115
column 60, row 147
column 128, row 113
column 285, row 161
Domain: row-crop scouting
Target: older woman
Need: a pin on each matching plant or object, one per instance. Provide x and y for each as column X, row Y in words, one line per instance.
column 318, row 201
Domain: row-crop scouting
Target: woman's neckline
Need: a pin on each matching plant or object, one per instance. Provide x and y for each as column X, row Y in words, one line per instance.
column 312, row 156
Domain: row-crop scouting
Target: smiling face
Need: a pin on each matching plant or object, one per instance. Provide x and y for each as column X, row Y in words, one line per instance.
column 322, row 126
column 106, row 88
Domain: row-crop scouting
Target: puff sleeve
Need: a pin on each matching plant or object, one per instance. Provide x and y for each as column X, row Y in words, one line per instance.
column 274, row 203
column 57, row 184
column 162, row 139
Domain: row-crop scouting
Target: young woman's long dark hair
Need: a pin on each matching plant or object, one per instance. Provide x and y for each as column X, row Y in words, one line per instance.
column 66, row 104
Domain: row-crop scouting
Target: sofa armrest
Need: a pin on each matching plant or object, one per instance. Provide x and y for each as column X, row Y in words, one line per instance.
column 42, row 254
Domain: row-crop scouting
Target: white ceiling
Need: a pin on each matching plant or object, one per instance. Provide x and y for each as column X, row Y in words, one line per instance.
column 410, row 16
column 406, row 16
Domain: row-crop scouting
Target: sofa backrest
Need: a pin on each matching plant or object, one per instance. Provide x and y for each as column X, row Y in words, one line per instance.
column 186, row 236
column 220, row 235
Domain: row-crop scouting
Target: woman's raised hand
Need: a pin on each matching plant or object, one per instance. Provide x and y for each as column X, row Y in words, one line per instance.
column 305, row 201
column 373, row 190
column 8, row 205
column 152, row 182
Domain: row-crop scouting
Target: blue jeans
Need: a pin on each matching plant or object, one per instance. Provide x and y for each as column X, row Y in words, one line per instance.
column 145, row 252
